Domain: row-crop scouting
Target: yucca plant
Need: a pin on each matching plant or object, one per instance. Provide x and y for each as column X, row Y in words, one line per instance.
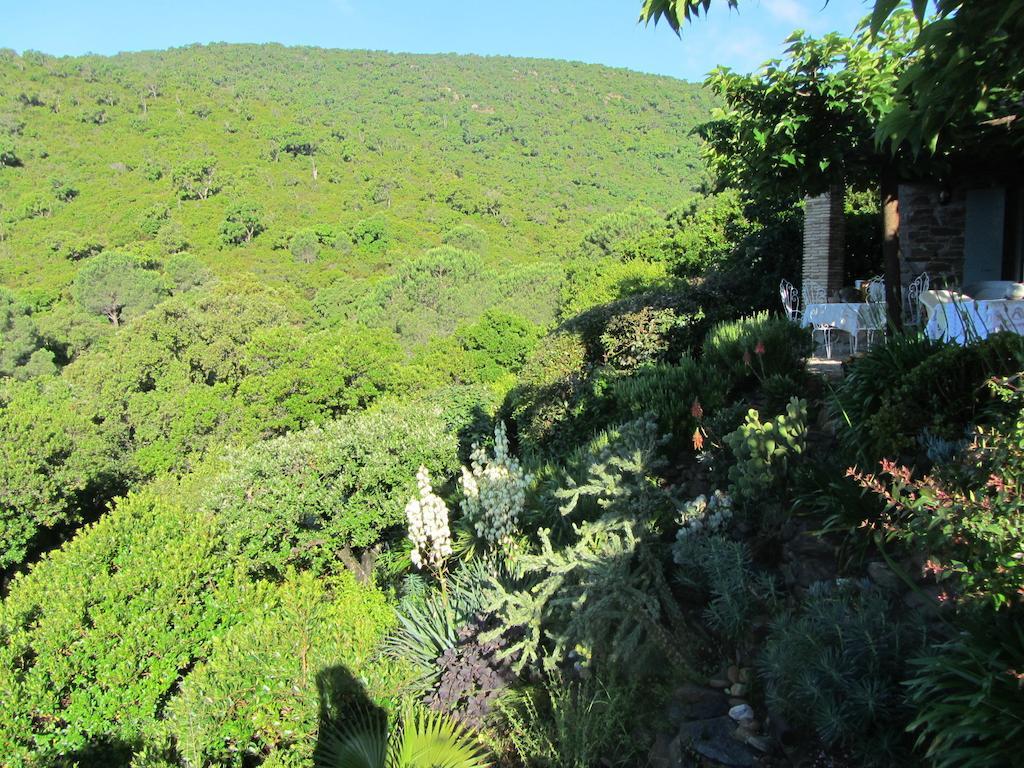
column 428, row 626
column 423, row 739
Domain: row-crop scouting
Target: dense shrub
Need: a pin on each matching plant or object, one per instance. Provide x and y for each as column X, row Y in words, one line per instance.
column 300, row 498
column 19, row 336
column 503, row 339
column 910, row 384
column 168, row 574
column 292, row 378
column 297, row 653
column 834, row 669
column 552, row 391
column 669, row 394
column 705, row 232
column 100, row 655
column 638, row 338
column 57, row 467
column 756, row 347
column 651, row 326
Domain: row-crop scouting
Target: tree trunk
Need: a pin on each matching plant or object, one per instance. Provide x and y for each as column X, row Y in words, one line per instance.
column 891, row 246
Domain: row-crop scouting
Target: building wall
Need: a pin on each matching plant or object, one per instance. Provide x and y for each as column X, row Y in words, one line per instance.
column 824, row 242
column 932, row 234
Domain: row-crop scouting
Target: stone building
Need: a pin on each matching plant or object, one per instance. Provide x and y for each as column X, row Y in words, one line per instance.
column 958, row 234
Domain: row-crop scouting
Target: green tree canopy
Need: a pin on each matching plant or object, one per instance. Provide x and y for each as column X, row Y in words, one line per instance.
column 117, row 285
column 19, row 340
column 967, row 80
column 803, row 124
column 242, row 222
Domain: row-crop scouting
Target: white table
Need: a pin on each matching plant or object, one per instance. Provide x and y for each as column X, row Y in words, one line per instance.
column 851, row 318
column 967, row 320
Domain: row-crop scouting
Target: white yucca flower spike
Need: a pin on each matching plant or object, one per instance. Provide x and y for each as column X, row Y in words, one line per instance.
column 494, row 490
column 428, row 525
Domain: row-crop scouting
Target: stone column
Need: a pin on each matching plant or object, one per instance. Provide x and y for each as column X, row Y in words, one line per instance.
column 824, row 241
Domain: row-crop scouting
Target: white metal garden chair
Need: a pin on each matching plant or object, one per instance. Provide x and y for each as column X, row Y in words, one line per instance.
column 790, row 300
column 917, row 287
column 815, row 294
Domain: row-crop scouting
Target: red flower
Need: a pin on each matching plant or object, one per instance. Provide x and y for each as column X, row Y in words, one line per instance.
column 759, row 349
column 696, row 411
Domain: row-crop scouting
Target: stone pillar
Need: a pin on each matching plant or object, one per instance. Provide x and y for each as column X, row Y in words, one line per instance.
column 824, row 241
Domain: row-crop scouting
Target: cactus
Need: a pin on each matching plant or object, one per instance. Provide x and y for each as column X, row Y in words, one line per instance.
column 764, row 451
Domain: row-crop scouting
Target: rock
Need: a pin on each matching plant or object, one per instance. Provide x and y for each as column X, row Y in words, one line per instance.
column 927, row 598
column 713, row 739
column 745, row 676
column 694, row 702
column 716, row 682
column 733, row 673
column 737, row 690
column 760, row 743
column 742, row 712
column 883, row 576
column 807, row 560
column 661, row 755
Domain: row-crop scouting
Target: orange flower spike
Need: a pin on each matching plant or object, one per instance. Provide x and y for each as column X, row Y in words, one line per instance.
column 698, row 440
column 696, row 410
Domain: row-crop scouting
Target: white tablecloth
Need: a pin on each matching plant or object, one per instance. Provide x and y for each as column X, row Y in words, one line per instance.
column 851, row 318
column 969, row 320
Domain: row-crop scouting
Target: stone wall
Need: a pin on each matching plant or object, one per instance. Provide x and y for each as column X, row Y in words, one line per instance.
column 932, row 234
column 824, row 242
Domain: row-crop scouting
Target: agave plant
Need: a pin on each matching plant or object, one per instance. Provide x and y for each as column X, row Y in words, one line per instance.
column 423, row 739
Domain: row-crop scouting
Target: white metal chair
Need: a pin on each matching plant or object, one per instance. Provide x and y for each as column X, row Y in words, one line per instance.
column 790, row 300
column 872, row 317
column 816, row 294
column 875, row 290
column 870, row 320
column 917, row 287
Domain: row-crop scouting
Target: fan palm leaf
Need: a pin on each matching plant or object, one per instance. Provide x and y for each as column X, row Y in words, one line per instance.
column 424, row 740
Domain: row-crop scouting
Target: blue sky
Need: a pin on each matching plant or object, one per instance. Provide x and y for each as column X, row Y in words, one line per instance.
column 601, row 31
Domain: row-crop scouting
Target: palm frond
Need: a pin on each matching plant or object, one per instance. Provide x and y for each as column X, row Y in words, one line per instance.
column 432, row 740
column 359, row 742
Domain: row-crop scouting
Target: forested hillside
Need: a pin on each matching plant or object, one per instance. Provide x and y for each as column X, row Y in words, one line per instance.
column 364, row 158
column 364, row 410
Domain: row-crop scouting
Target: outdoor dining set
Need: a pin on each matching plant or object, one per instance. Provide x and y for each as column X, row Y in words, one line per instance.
column 961, row 316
